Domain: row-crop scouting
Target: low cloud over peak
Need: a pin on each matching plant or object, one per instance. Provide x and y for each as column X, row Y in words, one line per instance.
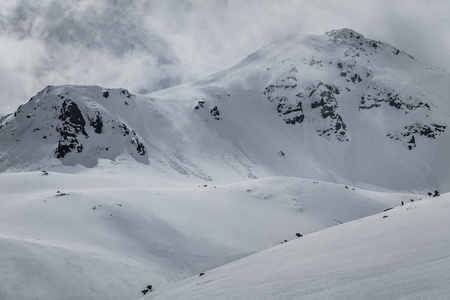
column 150, row 45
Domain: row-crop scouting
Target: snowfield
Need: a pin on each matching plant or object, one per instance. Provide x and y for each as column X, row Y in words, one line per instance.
column 400, row 254
column 103, row 234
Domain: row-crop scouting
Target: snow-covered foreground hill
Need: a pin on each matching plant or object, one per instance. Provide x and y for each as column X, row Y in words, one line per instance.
column 106, row 234
column 400, row 254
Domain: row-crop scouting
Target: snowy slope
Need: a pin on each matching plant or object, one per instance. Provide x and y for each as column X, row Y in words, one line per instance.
column 106, row 234
column 104, row 191
column 337, row 107
column 404, row 255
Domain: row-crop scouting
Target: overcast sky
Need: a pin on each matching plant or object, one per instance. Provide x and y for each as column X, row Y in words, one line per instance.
column 147, row 45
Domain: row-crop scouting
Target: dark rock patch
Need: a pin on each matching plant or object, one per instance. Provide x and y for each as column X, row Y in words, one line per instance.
column 372, row 99
column 215, row 113
column 96, row 122
column 408, row 134
column 139, row 146
column 71, row 126
column 126, row 93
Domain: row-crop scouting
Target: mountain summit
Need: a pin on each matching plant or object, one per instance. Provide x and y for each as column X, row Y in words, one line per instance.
column 338, row 107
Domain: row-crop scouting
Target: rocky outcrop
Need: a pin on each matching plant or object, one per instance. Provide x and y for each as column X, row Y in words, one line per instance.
column 72, row 125
column 409, row 133
column 377, row 96
column 289, row 104
column 322, row 97
column 291, row 97
column 96, row 122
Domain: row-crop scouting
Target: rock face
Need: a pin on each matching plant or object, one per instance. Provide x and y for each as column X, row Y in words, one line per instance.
column 353, row 70
column 323, row 98
column 328, row 107
column 375, row 99
column 97, row 122
column 291, row 97
column 73, row 121
column 408, row 133
column 283, row 93
column 72, row 125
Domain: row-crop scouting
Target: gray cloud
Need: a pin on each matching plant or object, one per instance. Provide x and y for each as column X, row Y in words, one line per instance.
column 148, row 45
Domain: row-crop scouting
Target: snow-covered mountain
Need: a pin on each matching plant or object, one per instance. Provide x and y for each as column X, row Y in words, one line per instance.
column 337, row 107
column 104, row 192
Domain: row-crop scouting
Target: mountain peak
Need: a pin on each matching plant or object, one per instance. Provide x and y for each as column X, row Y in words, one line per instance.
column 344, row 33
column 323, row 107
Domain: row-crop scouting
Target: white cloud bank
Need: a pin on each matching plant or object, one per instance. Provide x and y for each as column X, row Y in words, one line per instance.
column 148, row 45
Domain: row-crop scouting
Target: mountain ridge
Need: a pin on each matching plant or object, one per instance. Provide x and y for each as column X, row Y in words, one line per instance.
column 329, row 107
column 105, row 192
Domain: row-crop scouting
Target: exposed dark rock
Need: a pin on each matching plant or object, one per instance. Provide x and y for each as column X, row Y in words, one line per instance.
column 97, row 122
column 126, row 93
column 65, row 145
column 125, row 130
column 322, row 96
column 215, row 113
column 289, row 105
column 72, row 118
column 412, row 143
column 355, row 78
column 139, row 146
column 376, row 98
column 295, row 120
column 407, row 134
column 200, row 104
column 72, row 125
